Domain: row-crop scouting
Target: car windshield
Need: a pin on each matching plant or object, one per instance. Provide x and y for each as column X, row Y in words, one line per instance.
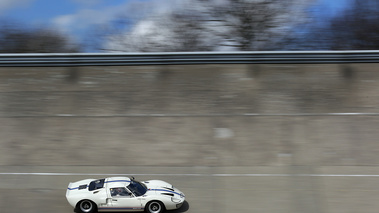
column 137, row 188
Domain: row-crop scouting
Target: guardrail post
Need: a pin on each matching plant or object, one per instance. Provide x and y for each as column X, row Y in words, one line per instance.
column 254, row 70
column 347, row 71
column 73, row 74
column 163, row 71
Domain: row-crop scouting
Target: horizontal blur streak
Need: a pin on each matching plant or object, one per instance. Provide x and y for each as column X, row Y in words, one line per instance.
column 239, row 134
column 196, row 115
column 187, row 58
column 226, row 114
column 194, row 175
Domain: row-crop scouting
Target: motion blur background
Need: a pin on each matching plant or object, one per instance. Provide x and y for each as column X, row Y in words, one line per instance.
column 234, row 138
column 187, row 25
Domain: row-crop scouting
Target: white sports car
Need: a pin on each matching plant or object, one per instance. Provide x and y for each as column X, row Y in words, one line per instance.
column 123, row 194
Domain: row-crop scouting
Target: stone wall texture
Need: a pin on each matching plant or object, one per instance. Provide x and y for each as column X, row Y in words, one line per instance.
column 193, row 115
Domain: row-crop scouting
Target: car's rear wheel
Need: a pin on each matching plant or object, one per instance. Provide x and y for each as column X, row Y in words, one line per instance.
column 86, row 206
column 154, row 207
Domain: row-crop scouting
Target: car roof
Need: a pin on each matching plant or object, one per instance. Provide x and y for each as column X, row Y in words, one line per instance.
column 114, row 182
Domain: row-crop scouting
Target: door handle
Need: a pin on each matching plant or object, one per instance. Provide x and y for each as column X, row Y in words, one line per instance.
column 114, row 199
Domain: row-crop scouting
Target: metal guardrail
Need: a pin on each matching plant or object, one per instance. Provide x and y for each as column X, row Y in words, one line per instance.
column 187, row 58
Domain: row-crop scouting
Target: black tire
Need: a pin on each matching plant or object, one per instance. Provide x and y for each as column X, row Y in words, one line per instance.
column 86, row 206
column 154, row 207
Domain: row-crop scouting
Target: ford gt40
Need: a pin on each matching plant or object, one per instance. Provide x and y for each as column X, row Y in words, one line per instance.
column 123, row 194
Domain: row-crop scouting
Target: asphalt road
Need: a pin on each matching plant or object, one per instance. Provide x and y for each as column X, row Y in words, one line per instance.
column 36, row 189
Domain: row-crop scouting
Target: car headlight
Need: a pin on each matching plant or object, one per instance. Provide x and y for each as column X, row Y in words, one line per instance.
column 175, row 200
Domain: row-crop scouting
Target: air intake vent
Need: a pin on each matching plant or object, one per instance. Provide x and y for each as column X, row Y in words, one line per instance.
column 82, row 187
column 168, row 194
column 168, row 188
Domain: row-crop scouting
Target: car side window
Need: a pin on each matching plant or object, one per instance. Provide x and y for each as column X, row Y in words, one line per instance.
column 120, row 191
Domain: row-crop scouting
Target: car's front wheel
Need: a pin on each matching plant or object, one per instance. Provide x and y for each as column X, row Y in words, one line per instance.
column 154, row 207
column 86, row 206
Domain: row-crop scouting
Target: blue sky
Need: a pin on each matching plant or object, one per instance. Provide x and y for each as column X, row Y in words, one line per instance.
column 44, row 11
column 72, row 16
column 330, row 8
column 76, row 17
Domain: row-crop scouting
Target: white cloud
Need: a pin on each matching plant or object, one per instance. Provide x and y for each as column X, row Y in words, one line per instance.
column 82, row 19
column 145, row 14
column 132, row 9
column 142, row 36
column 158, row 34
column 85, row 19
column 9, row 4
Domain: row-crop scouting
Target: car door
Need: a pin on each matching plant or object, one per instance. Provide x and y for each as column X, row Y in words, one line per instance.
column 123, row 200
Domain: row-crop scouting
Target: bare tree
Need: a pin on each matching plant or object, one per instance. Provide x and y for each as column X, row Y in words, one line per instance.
column 14, row 38
column 208, row 25
column 189, row 33
column 174, row 31
column 248, row 25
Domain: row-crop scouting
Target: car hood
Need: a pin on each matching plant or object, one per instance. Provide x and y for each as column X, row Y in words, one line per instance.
column 159, row 187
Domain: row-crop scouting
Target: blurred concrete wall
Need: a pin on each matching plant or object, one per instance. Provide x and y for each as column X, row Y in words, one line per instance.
column 190, row 115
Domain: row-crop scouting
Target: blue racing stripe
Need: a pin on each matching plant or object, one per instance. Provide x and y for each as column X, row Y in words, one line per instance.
column 75, row 188
column 120, row 208
column 113, row 181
